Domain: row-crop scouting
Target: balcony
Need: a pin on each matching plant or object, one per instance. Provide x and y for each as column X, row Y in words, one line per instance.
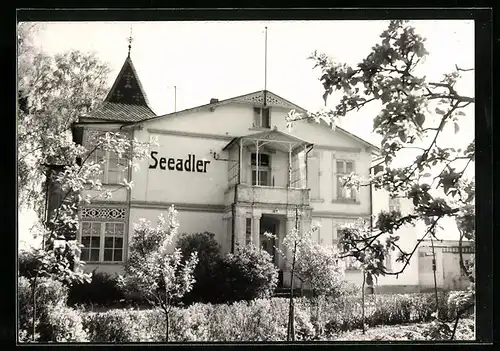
column 267, row 195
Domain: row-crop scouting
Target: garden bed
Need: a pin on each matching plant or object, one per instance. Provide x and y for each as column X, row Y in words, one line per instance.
column 403, row 332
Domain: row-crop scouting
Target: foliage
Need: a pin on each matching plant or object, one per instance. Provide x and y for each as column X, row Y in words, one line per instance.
column 207, row 273
column 103, row 289
column 320, row 267
column 260, row 320
column 249, row 274
column 161, row 277
column 48, row 293
column 58, row 89
column 66, row 324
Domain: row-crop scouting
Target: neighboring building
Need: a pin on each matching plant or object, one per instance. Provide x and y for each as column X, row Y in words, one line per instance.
column 230, row 167
column 449, row 275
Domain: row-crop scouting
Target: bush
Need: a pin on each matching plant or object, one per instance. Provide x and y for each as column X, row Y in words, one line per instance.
column 102, row 290
column 65, row 324
column 48, row 293
column 248, row 274
column 125, row 325
column 257, row 320
column 207, row 270
column 27, row 264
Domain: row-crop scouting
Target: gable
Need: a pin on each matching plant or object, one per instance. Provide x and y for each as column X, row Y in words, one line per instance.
column 253, row 99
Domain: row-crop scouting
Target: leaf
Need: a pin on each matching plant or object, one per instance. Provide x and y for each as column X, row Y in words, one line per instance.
column 457, row 128
column 402, row 136
column 439, row 111
column 420, row 119
column 426, row 175
column 460, row 113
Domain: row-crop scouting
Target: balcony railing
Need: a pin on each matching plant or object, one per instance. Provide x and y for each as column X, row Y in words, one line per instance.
column 268, row 195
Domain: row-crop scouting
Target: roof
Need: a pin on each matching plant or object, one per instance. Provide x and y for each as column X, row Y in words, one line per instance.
column 273, row 135
column 110, row 111
column 126, row 100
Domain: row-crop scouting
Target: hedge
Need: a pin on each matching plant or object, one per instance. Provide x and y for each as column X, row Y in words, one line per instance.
column 260, row 320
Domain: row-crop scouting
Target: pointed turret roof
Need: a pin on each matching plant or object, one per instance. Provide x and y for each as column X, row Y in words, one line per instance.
column 126, row 100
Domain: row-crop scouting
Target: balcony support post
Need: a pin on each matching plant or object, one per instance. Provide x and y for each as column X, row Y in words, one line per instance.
column 257, row 182
column 256, row 230
column 289, row 165
column 240, row 160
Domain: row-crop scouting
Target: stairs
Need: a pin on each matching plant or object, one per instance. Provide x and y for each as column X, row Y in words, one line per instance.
column 285, row 292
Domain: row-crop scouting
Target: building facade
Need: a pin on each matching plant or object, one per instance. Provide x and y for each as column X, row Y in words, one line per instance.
column 233, row 168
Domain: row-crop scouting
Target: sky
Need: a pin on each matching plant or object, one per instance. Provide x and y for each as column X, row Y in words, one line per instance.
column 223, row 59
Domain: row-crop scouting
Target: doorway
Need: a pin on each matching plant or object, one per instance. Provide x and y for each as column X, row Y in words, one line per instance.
column 272, row 225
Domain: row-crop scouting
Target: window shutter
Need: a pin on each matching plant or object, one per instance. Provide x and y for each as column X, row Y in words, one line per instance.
column 256, row 117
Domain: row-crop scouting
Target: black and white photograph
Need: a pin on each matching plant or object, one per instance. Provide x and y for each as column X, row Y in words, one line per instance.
column 242, row 181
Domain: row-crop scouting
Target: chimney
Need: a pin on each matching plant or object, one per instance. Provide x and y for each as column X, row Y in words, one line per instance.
column 214, row 100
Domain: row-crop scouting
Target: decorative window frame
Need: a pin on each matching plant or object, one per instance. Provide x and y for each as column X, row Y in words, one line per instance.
column 104, row 215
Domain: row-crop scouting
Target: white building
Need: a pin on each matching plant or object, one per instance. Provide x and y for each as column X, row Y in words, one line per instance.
column 230, row 167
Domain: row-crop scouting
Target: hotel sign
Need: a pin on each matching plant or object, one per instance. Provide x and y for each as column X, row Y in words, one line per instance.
column 189, row 164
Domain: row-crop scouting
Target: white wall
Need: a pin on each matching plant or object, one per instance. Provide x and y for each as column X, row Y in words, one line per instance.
column 174, row 186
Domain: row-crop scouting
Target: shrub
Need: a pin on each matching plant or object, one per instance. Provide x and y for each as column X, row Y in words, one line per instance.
column 125, row 325
column 27, row 264
column 102, row 290
column 249, row 274
column 206, row 273
column 65, row 324
column 256, row 320
column 48, row 293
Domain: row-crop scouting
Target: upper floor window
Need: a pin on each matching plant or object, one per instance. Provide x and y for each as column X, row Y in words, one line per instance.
column 394, row 205
column 264, row 169
column 345, row 168
column 261, row 117
column 113, row 169
column 378, row 169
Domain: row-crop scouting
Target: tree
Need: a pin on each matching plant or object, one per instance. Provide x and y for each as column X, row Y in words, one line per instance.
column 414, row 113
column 321, row 267
column 55, row 91
column 358, row 242
column 293, row 243
column 58, row 90
column 159, row 276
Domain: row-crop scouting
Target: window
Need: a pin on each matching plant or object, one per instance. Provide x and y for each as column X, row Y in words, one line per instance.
column 264, row 170
column 394, row 205
column 102, row 241
column 248, row 230
column 345, row 168
column 261, row 117
column 377, row 169
column 114, row 169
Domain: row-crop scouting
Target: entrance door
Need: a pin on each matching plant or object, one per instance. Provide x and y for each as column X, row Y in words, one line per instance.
column 271, row 225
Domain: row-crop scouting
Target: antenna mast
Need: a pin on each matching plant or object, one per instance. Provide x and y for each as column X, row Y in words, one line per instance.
column 265, row 67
